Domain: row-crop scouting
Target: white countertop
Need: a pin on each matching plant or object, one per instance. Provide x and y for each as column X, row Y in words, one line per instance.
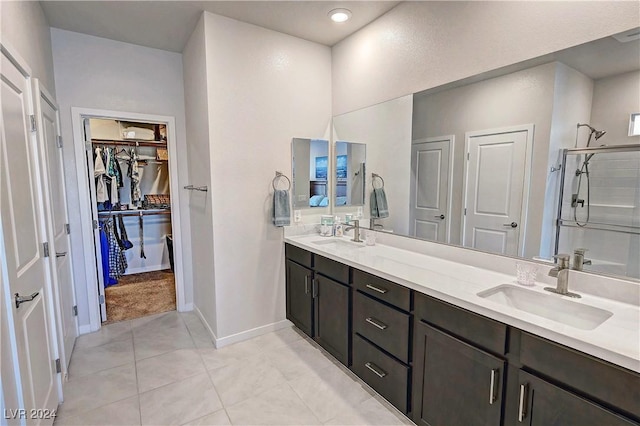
column 616, row 340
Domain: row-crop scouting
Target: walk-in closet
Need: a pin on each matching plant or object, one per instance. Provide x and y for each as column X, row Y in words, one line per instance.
column 131, row 205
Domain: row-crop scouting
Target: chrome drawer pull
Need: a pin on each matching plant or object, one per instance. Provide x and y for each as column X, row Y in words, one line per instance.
column 376, row 323
column 522, row 412
column 376, row 370
column 378, row 289
column 306, row 284
column 492, row 387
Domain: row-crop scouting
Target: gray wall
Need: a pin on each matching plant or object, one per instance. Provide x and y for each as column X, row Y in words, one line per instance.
column 614, row 99
column 93, row 72
column 524, row 97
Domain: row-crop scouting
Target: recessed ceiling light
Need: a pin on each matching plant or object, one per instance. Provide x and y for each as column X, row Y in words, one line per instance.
column 340, row 15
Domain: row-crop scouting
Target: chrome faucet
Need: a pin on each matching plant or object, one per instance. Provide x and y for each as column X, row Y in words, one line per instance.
column 373, row 225
column 561, row 272
column 356, row 230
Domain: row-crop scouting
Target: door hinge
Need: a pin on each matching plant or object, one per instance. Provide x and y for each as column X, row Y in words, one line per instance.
column 58, row 366
column 67, row 228
column 465, row 211
column 32, row 120
column 75, row 310
column 59, row 141
column 101, row 299
column 468, row 156
column 45, row 248
column 95, row 224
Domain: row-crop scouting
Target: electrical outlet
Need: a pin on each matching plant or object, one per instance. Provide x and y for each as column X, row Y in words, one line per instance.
column 359, row 212
column 297, row 216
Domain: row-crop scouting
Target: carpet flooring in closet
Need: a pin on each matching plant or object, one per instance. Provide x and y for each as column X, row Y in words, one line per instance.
column 139, row 295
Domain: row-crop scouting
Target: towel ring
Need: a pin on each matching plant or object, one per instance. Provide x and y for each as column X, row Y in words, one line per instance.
column 278, row 176
column 373, row 180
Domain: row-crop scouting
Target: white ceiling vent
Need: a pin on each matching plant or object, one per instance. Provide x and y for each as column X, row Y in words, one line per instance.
column 626, row 36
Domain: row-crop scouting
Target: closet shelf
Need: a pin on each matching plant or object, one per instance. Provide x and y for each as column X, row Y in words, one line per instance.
column 144, row 212
column 129, row 142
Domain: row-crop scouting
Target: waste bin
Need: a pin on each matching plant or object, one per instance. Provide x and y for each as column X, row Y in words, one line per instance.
column 170, row 248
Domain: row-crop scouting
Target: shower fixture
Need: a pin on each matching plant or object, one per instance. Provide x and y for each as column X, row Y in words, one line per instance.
column 594, row 133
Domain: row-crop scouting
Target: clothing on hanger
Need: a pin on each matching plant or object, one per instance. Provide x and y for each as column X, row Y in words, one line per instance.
column 135, row 175
column 98, row 172
column 141, row 233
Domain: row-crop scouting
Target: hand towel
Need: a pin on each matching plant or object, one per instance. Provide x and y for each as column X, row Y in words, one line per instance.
column 378, row 203
column 281, row 213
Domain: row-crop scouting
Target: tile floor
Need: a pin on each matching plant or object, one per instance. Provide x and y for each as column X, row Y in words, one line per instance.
column 164, row 369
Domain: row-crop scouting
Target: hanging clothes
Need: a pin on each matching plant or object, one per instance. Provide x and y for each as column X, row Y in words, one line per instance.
column 112, row 175
column 134, row 174
column 99, row 171
column 104, row 251
column 117, row 260
column 123, row 235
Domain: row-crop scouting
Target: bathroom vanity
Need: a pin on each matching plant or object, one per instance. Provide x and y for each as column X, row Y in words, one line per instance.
column 448, row 343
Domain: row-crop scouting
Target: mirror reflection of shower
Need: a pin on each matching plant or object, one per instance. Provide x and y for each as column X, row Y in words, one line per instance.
column 584, row 171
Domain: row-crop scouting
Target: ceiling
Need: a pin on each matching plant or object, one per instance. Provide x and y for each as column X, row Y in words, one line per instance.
column 167, row 25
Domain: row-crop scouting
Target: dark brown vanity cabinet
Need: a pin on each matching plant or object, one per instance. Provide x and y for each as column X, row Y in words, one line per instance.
column 316, row 304
column 300, row 296
column 542, row 404
column 454, row 382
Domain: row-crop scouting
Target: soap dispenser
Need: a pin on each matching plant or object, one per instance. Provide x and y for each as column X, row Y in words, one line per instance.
column 338, row 228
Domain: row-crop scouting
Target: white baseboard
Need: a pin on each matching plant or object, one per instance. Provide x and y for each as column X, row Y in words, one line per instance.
column 206, row 325
column 186, row 307
column 84, row 329
column 254, row 332
column 151, row 268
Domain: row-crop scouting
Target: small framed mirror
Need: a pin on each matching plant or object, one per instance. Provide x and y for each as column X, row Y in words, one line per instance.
column 310, row 165
column 350, row 172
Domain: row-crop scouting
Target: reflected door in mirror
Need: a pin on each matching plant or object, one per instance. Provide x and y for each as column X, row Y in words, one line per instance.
column 495, row 176
column 430, row 188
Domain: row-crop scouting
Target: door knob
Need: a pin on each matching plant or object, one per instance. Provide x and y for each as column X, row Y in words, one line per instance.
column 512, row 224
column 21, row 299
column 439, row 216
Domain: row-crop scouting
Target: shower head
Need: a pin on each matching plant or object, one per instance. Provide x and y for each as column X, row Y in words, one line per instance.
column 594, row 133
column 599, row 133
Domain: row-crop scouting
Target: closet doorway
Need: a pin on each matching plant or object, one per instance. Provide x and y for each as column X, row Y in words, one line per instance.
column 133, row 238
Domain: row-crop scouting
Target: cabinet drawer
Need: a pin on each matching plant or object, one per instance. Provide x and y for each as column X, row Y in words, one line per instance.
column 386, row 375
column 298, row 255
column 383, row 325
column 382, row 289
column 332, row 269
column 481, row 331
column 603, row 381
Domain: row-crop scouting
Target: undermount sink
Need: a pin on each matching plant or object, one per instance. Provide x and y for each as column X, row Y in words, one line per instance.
column 336, row 243
column 548, row 306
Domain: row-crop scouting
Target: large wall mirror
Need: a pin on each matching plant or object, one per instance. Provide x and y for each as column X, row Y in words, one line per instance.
column 310, row 161
column 479, row 162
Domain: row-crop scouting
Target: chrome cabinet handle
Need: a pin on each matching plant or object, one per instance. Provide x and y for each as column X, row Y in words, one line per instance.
column 512, row 224
column 376, row 370
column 441, row 216
column 314, row 288
column 522, row 411
column 22, row 299
column 378, row 289
column 376, row 323
column 492, row 386
column 63, row 254
column 306, row 284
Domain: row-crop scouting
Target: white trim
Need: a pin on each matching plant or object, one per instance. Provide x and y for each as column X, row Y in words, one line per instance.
column 77, row 116
column 206, row 325
column 529, row 128
column 85, row 329
column 452, row 149
column 187, row 307
column 249, row 334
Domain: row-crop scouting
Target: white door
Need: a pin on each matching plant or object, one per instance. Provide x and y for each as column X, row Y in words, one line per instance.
column 429, row 213
column 23, row 230
column 49, row 131
column 495, row 187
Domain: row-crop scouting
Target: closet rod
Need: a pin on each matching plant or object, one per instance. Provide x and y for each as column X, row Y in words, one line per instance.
column 132, row 212
column 159, row 144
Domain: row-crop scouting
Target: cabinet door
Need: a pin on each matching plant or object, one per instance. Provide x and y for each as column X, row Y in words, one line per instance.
column 454, row 383
column 332, row 317
column 299, row 297
column 544, row 404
